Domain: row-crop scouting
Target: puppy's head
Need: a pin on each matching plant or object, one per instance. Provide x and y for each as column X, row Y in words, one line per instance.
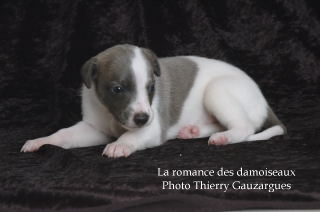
column 123, row 77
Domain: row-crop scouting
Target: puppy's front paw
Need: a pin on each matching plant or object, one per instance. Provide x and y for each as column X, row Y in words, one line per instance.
column 118, row 149
column 33, row 145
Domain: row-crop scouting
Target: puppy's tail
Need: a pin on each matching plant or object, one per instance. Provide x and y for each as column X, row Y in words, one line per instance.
column 273, row 127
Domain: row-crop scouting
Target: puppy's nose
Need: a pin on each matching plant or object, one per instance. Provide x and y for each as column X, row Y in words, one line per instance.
column 140, row 119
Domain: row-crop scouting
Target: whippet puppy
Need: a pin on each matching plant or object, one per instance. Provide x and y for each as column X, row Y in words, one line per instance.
column 132, row 100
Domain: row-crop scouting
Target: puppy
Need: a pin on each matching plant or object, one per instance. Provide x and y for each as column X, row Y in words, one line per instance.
column 142, row 100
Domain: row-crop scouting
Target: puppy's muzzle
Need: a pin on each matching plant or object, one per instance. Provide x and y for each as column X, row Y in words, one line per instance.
column 140, row 119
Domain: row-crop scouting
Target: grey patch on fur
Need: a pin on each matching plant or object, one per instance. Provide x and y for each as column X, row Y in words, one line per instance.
column 273, row 120
column 153, row 68
column 89, row 71
column 114, row 68
column 173, row 86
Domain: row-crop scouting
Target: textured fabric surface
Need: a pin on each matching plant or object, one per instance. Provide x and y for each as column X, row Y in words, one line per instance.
column 43, row 45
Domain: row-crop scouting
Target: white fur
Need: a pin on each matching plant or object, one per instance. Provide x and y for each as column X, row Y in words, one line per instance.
column 220, row 90
column 139, row 67
column 81, row 134
column 266, row 134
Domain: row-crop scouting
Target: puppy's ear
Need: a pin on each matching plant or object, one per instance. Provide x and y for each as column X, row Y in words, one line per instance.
column 152, row 57
column 89, row 71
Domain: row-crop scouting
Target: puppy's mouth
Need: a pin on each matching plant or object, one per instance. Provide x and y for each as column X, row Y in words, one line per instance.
column 131, row 125
column 131, row 128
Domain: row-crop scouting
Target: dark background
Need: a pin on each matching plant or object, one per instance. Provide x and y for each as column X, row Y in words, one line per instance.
column 43, row 45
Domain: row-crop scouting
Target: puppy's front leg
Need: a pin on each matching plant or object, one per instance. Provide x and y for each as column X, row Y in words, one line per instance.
column 78, row 135
column 134, row 140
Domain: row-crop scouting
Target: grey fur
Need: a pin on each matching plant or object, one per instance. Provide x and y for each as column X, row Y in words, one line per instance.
column 115, row 69
column 88, row 71
column 173, row 86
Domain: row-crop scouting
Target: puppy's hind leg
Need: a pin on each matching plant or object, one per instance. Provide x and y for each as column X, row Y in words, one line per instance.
column 229, row 112
column 78, row 135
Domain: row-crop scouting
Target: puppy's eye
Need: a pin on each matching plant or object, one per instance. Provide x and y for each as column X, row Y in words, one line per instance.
column 117, row 89
column 151, row 87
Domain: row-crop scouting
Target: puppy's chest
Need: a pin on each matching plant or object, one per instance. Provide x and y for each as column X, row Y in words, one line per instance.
column 105, row 123
column 114, row 130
